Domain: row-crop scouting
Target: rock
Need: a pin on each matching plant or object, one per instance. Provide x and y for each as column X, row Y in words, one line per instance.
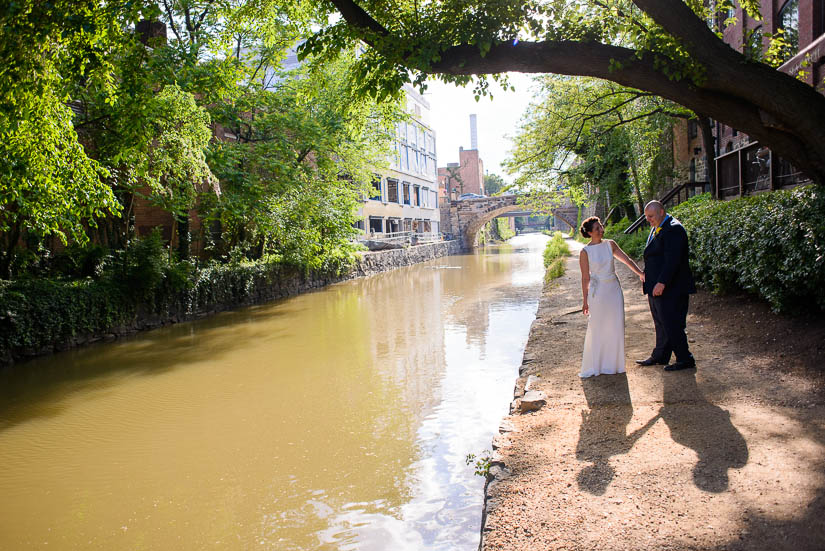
column 532, row 381
column 506, row 426
column 381, row 245
column 532, row 401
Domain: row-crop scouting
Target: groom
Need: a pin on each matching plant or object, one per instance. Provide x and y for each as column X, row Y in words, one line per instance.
column 668, row 284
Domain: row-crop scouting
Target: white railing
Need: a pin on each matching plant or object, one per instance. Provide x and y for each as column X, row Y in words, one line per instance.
column 404, row 238
column 428, row 237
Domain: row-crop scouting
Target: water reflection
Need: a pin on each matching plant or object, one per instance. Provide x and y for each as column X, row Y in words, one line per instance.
column 335, row 420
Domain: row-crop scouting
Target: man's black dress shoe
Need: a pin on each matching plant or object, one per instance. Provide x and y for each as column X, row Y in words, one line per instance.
column 650, row 361
column 678, row 366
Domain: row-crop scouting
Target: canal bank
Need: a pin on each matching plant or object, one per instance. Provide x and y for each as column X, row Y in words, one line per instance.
column 35, row 328
column 729, row 456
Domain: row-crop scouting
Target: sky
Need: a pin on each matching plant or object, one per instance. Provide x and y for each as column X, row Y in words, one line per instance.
column 450, row 110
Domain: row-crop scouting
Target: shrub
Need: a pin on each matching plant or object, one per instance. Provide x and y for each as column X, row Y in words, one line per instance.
column 772, row 245
column 633, row 244
column 36, row 314
column 554, row 254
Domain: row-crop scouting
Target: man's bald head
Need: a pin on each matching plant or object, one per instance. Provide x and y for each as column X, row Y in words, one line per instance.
column 654, row 213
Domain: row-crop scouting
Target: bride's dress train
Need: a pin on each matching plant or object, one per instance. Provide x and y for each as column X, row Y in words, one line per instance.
column 604, row 342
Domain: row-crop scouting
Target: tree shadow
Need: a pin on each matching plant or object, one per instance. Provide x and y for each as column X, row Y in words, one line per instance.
column 703, row 427
column 41, row 387
column 603, row 431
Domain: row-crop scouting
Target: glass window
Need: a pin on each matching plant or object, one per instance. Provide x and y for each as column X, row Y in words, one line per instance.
column 392, row 191
column 406, row 193
column 405, row 164
column 376, row 224
column 376, row 188
column 789, row 23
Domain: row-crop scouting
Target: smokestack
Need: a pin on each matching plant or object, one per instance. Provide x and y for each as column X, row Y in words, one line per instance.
column 473, row 132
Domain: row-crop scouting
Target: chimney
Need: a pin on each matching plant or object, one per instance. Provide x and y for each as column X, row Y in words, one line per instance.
column 473, row 131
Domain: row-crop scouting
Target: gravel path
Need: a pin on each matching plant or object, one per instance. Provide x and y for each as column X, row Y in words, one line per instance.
column 728, row 456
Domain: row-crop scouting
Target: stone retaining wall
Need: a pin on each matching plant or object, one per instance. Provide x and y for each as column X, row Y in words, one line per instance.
column 259, row 289
column 382, row 261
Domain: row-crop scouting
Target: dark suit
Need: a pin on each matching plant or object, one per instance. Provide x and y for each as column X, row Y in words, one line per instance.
column 666, row 261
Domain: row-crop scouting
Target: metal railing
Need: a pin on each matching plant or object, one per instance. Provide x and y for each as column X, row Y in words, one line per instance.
column 672, row 197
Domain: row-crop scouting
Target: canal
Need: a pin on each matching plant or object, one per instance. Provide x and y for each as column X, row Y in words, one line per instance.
column 336, row 420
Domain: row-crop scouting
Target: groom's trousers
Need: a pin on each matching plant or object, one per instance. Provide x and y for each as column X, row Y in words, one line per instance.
column 670, row 318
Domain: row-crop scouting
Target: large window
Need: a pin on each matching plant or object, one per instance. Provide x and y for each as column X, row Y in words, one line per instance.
column 789, row 23
column 406, row 193
column 392, row 191
column 752, row 47
column 405, row 159
column 376, row 188
column 376, row 224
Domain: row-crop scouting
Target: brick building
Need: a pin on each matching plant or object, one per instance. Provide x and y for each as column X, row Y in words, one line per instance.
column 465, row 176
column 743, row 166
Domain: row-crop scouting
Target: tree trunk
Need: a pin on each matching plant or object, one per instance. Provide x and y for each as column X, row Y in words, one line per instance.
column 13, row 237
column 636, row 187
column 184, row 237
column 710, row 151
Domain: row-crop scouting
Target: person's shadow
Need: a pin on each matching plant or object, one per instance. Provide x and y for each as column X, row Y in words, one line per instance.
column 603, row 432
column 703, row 427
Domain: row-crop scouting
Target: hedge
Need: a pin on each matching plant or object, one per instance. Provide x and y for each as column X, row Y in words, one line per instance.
column 139, row 287
column 771, row 245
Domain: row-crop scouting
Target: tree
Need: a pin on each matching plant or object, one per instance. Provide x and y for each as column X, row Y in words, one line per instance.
column 306, row 150
column 493, row 183
column 664, row 47
column 595, row 135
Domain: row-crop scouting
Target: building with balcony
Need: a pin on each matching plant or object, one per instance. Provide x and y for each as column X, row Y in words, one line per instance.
column 742, row 166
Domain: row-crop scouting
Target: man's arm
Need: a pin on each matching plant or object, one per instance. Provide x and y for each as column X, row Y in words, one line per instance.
column 674, row 242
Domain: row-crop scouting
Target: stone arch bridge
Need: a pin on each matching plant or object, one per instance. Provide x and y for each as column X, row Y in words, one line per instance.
column 464, row 219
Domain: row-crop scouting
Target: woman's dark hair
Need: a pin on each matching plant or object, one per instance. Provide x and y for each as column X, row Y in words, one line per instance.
column 587, row 225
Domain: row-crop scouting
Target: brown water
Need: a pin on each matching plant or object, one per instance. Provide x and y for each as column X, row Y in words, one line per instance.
column 335, row 420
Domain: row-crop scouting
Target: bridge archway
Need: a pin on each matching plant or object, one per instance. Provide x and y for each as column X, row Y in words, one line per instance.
column 470, row 236
column 466, row 218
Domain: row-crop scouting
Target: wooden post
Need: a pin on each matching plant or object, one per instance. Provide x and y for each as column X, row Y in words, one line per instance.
column 772, row 171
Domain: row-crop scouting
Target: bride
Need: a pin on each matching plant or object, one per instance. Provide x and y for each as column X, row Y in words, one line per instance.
column 603, row 302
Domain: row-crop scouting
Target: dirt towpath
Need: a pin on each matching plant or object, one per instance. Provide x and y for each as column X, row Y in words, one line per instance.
column 728, row 456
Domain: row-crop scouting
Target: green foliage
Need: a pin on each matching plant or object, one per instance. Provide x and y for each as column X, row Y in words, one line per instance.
column 771, row 245
column 48, row 186
column 494, row 184
column 554, row 256
column 593, row 140
column 503, row 228
column 632, row 244
column 481, row 464
column 37, row 314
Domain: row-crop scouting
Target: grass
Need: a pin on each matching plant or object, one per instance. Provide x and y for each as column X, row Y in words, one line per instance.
column 554, row 255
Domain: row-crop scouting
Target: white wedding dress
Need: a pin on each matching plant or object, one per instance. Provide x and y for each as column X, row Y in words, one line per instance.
column 604, row 342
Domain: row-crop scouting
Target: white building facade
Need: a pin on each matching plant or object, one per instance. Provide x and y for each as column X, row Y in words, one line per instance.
column 405, row 197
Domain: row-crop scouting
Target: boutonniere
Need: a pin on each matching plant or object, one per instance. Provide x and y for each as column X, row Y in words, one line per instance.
column 658, row 229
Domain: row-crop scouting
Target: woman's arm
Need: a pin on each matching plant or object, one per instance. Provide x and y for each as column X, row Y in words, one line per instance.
column 584, row 264
column 622, row 256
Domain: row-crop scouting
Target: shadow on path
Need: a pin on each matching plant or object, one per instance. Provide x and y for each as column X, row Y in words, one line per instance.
column 603, row 432
column 703, row 427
